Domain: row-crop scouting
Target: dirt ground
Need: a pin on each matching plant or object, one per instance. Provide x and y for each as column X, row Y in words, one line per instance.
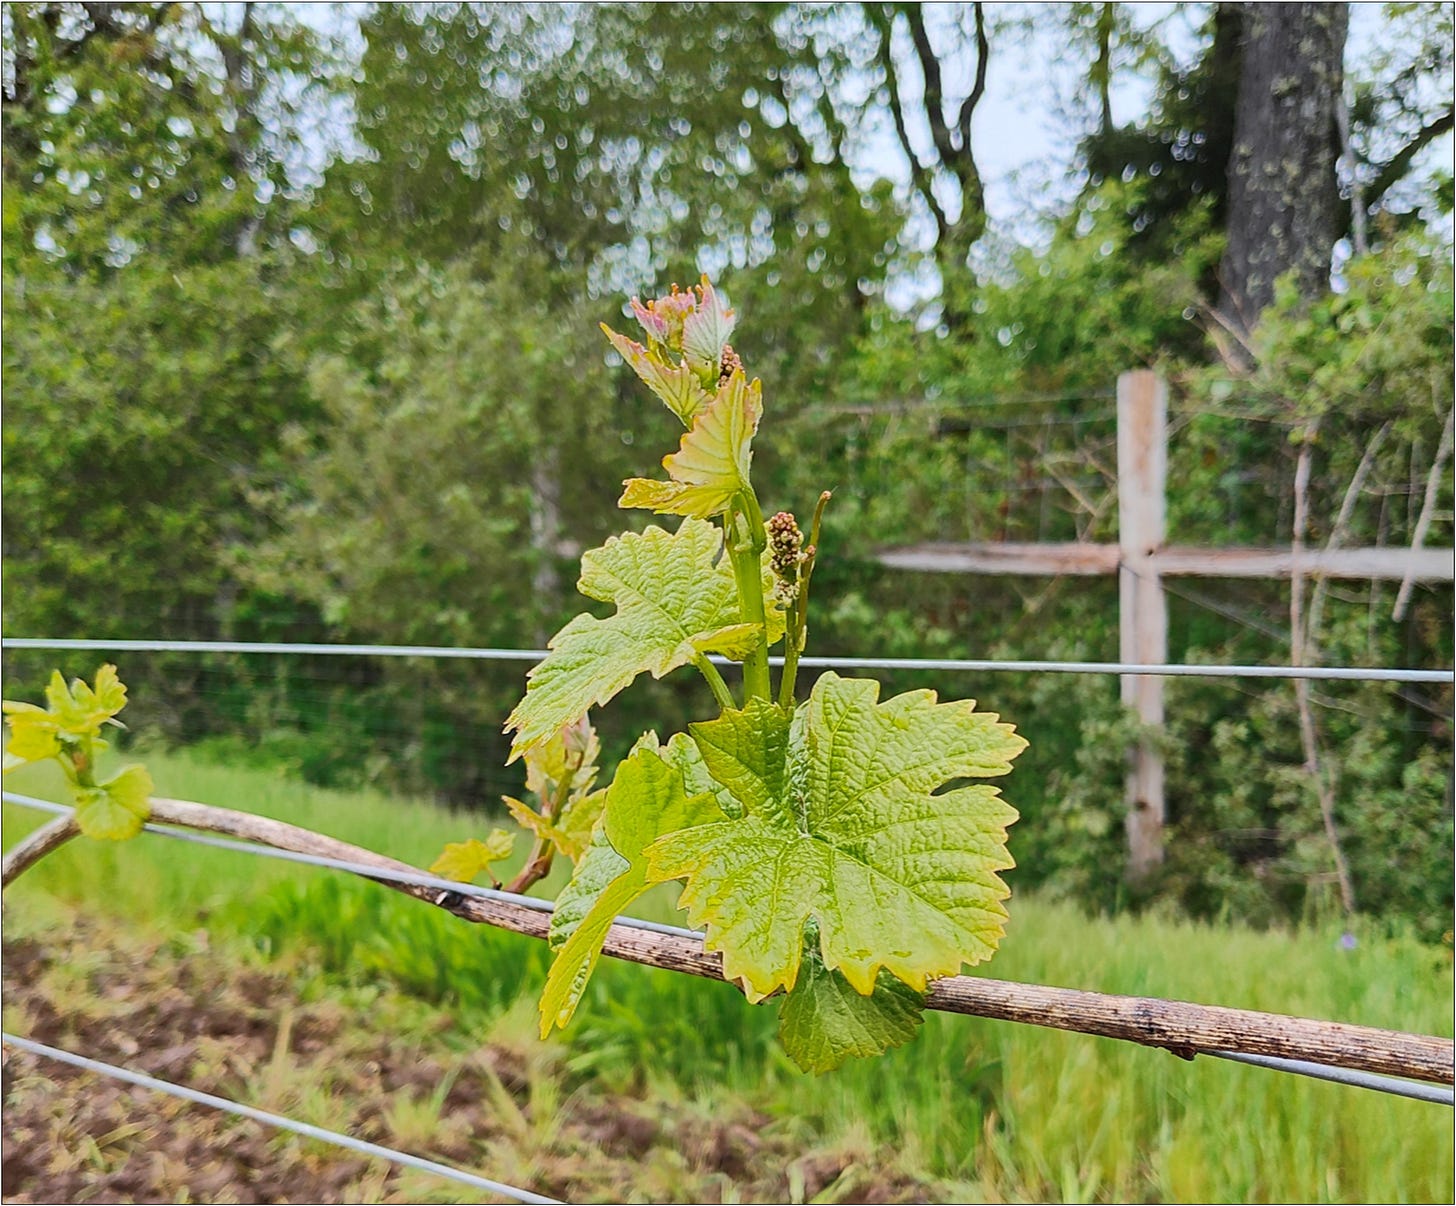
column 507, row 1109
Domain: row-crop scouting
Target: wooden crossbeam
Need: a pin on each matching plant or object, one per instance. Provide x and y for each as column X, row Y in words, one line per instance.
column 1085, row 558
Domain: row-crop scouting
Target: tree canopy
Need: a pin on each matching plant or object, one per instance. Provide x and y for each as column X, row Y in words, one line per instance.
column 301, row 320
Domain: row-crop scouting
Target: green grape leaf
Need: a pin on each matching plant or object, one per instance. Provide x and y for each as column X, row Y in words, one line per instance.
column 682, row 753
column 117, row 809
column 713, row 462
column 463, row 861
column 74, row 710
column 105, row 699
column 578, row 822
column 823, row 1021
column 841, row 824
column 677, row 385
column 673, row 600
column 645, row 801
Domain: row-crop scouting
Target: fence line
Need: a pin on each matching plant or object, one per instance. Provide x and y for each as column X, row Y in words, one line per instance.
column 307, row 1129
column 978, row 665
column 1127, row 1018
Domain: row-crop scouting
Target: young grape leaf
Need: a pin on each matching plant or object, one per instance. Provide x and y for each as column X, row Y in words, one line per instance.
column 658, row 329
column 81, row 710
column 465, row 860
column 706, row 330
column 569, row 754
column 841, row 824
column 712, row 464
column 674, row 601
column 571, row 834
column 560, row 772
column 74, row 710
column 117, row 809
column 599, row 865
column 645, row 801
column 594, row 873
column 682, row 753
column 677, row 385
column 34, row 734
column 823, row 1021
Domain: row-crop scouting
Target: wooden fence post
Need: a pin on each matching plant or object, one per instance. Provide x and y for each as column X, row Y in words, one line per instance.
column 1142, row 472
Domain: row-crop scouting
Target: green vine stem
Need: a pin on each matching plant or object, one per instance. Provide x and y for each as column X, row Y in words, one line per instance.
column 543, row 853
column 715, row 680
column 746, row 550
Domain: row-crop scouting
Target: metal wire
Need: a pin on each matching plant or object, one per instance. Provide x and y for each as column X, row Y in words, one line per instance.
column 276, row 1120
column 977, row 665
column 1436, row 1094
column 1365, row 1080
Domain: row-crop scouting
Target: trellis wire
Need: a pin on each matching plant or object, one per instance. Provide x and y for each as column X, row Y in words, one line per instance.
column 978, row 665
column 307, row 1129
column 1351, row 1077
column 1435, row 1094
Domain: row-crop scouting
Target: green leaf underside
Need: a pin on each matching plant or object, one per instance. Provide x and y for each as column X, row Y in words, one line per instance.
column 594, row 873
column 713, row 462
column 645, row 801
column 117, row 809
column 841, row 826
column 678, row 386
column 823, row 1021
column 673, row 602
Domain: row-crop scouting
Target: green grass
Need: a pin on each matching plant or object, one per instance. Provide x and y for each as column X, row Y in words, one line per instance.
column 1001, row 1111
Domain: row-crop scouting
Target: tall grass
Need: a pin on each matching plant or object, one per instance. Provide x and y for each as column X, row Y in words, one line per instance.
column 1004, row 1112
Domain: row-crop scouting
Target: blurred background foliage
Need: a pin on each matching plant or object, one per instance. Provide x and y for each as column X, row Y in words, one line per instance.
column 301, row 344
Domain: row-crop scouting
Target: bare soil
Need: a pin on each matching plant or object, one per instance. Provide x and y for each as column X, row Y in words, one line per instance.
column 506, row 1107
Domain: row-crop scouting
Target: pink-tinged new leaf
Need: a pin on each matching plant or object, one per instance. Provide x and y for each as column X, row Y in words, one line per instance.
column 706, row 330
column 652, row 322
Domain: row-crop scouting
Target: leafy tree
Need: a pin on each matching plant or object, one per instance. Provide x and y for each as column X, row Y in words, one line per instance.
column 1401, row 112
column 151, row 129
column 626, row 142
column 1398, row 93
column 444, row 391
column 155, row 310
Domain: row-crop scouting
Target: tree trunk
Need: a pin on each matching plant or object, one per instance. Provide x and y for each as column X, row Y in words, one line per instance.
column 1284, row 197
